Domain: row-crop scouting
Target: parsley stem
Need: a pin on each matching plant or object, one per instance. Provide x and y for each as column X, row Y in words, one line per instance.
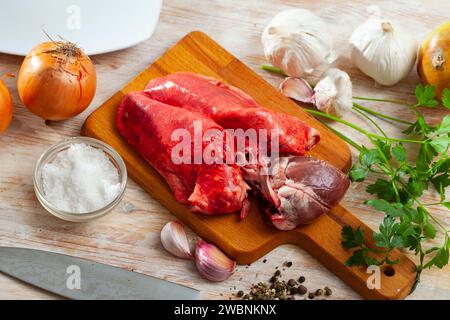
column 273, row 69
column 404, row 103
column 380, row 115
column 344, row 137
column 420, row 204
column 370, row 120
column 351, row 125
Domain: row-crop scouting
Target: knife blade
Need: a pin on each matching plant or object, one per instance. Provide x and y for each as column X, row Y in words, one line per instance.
column 80, row 279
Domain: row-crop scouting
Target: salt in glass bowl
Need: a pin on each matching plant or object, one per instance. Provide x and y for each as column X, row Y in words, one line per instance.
column 50, row 154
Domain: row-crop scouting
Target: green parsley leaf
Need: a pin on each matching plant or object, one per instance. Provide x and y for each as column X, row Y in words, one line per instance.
column 352, row 239
column 446, row 98
column 391, row 209
column 425, row 96
column 440, row 260
column 444, row 127
column 441, row 144
column 356, row 259
column 358, row 172
column 441, row 181
column 383, row 189
column 429, row 231
column 399, row 152
column 369, row 157
column 416, row 187
column 425, row 158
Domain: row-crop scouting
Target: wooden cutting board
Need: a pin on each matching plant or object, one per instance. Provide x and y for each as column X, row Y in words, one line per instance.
column 247, row 240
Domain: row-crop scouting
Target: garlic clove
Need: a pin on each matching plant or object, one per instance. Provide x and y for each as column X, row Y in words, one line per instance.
column 212, row 263
column 174, row 240
column 297, row 89
column 333, row 93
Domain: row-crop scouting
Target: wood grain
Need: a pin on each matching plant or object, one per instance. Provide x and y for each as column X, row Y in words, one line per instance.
column 131, row 239
column 247, row 240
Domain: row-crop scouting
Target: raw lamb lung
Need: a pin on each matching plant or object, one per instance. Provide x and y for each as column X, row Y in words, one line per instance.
column 148, row 125
column 301, row 188
column 231, row 108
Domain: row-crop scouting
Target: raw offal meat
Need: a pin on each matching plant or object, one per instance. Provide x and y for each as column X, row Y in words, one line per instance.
column 300, row 188
column 148, row 125
column 231, row 108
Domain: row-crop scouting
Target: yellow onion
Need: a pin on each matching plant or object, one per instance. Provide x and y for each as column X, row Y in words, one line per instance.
column 433, row 63
column 5, row 107
column 57, row 80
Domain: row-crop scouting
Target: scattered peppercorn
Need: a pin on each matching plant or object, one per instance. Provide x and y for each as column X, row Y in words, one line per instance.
column 302, row 289
column 265, row 260
column 276, row 289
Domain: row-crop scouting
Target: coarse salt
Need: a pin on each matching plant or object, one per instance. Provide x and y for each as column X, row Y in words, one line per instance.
column 80, row 179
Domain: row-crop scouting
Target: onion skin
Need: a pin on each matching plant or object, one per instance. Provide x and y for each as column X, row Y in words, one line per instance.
column 5, row 107
column 55, row 84
column 430, row 66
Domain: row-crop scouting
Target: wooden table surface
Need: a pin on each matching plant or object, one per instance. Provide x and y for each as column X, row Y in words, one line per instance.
column 131, row 239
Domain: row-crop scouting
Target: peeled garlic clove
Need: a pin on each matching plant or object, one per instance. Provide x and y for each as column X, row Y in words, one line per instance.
column 298, row 41
column 212, row 263
column 383, row 50
column 297, row 89
column 174, row 240
column 333, row 93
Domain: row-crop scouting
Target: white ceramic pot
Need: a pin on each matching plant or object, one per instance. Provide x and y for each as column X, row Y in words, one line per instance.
column 97, row 26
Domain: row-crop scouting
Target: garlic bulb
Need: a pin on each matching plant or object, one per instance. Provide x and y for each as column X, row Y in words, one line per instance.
column 297, row 41
column 383, row 50
column 174, row 240
column 332, row 94
column 212, row 263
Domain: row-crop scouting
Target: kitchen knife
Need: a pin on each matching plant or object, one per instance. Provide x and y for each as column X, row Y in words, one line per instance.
column 81, row 279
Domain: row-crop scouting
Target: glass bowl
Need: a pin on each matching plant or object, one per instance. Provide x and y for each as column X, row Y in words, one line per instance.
column 51, row 153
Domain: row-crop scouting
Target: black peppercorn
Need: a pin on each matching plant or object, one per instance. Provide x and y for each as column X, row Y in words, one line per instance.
column 240, row 293
column 293, row 290
column 277, row 273
column 292, row 282
column 301, row 279
column 311, row 295
column 289, row 264
column 273, row 279
column 302, row 289
column 328, row 291
column 319, row 292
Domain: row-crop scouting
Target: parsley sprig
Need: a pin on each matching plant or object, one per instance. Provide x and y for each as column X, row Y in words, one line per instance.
column 402, row 178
